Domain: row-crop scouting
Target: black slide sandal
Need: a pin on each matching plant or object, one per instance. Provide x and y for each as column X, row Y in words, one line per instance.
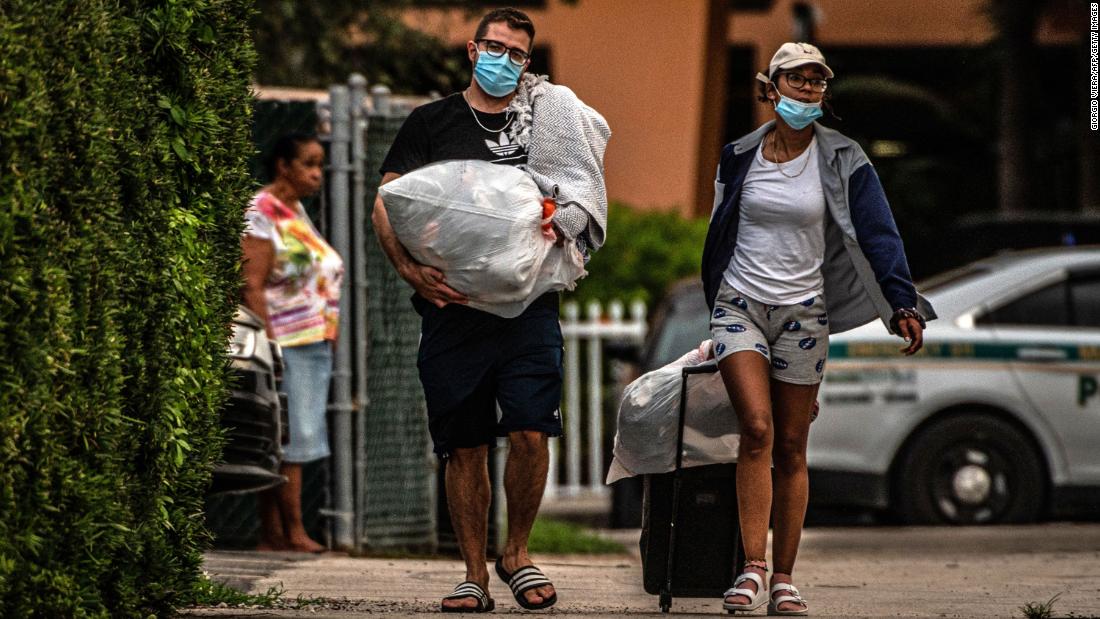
column 470, row 589
column 523, row 580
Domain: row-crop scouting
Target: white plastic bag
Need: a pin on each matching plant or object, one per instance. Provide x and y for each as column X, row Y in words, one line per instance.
column 645, row 441
column 479, row 223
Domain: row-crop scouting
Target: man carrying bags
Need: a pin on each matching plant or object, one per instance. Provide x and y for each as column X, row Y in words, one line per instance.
column 471, row 361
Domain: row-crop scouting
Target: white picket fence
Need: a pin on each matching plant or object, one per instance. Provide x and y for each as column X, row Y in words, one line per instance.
column 584, row 426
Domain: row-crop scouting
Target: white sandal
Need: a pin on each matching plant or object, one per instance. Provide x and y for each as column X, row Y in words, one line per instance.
column 756, row 598
column 792, row 596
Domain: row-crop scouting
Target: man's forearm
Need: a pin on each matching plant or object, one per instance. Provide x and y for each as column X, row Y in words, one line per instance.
column 427, row 281
column 395, row 251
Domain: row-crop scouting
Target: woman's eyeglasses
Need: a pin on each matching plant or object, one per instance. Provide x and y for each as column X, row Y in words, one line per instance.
column 797, row 80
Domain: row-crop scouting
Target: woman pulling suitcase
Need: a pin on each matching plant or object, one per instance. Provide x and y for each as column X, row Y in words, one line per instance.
column 801, row 244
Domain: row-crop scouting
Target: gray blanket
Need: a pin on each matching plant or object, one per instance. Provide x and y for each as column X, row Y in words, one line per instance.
column 565, row 142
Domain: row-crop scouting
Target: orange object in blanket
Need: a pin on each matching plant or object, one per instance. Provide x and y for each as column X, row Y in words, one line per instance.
column 548, row 208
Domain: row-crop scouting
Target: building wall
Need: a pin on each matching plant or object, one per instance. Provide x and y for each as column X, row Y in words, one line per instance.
column 885, row 23
column 656, row 70
column 640, row 64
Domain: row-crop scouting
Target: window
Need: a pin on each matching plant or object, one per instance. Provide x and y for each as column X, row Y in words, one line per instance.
column 1044, row 307
column 1085, row 296
column 1075, row 303
column 680, row 323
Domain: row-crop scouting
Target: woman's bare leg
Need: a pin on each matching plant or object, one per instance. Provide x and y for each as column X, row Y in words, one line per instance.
column 290, row 504
column 746, row 377
column 791, row 405
column 271, row 521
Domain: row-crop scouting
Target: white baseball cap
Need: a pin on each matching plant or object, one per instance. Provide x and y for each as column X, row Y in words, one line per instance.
column 791, row 55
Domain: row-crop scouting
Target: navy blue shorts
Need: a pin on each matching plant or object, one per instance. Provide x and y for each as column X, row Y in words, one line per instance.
column 470, row 361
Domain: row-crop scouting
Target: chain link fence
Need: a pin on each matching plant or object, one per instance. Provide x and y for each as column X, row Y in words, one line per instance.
column 378, row 491
column 398, row 489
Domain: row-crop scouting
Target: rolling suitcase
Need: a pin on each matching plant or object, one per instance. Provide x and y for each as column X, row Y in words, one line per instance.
column 691, row 536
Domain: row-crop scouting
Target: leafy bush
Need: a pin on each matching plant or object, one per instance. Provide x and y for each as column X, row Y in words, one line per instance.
column 644, row 253
column 124, row 136
column 208, row 592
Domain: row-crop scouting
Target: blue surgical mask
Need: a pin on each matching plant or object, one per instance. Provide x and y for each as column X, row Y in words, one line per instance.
column 497, row 76
column 797, row 114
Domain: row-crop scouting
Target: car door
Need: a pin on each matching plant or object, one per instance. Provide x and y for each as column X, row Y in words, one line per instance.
column 1053, row 338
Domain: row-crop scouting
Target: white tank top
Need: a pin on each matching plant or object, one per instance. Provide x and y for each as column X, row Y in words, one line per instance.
column 781, row 234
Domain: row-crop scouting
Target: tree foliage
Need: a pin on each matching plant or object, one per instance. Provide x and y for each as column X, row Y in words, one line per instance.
column 125, row 134
column 321, row 42
column 314, row 44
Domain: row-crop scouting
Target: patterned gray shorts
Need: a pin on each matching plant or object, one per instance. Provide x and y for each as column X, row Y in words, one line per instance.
column 794, row 338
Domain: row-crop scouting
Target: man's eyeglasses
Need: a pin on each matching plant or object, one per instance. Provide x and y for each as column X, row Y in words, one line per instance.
column 797, row 81
column 496, row 49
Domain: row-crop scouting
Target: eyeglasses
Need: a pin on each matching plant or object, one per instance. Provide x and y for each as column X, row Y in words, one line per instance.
column 496, row 49
column 797, row 81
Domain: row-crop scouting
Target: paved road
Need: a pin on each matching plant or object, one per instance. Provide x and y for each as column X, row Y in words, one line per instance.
column 842, row 572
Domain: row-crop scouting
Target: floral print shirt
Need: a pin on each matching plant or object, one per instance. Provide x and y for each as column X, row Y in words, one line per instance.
column 303, row 289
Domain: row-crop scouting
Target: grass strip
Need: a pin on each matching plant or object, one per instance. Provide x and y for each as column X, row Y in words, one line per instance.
column 550, row 536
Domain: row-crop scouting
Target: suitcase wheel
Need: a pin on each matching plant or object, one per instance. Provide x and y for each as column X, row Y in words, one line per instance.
column 666, row 602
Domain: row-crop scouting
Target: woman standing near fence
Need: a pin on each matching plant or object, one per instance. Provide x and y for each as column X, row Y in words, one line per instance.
column 801, row 243
column 292, row 280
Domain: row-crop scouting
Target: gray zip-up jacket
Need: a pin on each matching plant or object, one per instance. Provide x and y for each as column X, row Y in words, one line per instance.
column 865, row 270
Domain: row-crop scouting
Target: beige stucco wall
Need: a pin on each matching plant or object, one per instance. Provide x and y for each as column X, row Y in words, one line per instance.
column 640, row 64
column 643, row 64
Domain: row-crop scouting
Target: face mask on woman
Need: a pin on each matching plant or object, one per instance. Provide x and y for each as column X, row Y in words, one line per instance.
column 497, row 76
column 797, row 114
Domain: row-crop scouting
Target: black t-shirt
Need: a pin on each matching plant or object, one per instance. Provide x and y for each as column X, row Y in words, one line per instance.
column 447, row 129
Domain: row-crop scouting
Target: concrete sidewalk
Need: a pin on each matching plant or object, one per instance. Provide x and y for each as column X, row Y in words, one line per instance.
column 842, row 572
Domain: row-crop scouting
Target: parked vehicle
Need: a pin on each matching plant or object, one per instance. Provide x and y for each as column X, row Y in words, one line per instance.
column 255, row 413
column 998, row 418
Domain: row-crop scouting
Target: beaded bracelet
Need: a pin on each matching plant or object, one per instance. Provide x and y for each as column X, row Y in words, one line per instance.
column 905, row 312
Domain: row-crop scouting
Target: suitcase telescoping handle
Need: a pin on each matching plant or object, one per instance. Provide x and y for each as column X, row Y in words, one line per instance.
column 709, row 367
column 705, row 368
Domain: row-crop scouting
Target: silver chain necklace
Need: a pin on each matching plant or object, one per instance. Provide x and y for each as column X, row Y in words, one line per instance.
column 507, row 118
column 779, row 166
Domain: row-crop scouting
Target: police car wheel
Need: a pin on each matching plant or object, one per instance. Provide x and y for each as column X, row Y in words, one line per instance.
column 970, row 469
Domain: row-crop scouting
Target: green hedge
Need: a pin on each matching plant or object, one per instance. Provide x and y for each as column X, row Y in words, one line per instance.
column 124, row 137
column 644, row 253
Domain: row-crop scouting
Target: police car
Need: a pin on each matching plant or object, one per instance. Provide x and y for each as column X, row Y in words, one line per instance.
column 998, row 418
